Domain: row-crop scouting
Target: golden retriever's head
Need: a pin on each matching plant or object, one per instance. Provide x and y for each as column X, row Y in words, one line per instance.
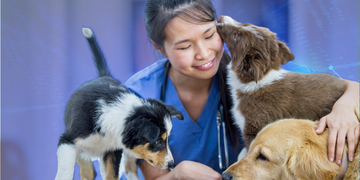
column 287, row 149
column 254, row 50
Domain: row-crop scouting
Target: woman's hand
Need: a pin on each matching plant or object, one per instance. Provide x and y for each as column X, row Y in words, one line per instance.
column 342, row 123
column 194, row 170
column 185, row 170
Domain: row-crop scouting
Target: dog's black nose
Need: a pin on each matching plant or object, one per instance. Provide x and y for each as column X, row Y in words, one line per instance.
column 226, row 176
column 171, row 164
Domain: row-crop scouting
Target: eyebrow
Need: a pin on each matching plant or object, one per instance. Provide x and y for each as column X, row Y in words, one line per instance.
column 186, row 40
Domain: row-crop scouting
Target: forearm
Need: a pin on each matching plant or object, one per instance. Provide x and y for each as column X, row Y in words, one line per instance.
column 350, row 97
column 151, row 173
column 169, row 175
column 184, row 170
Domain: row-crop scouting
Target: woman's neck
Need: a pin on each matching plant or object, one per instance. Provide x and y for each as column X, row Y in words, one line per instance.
column 193, row 93
column 189, row 84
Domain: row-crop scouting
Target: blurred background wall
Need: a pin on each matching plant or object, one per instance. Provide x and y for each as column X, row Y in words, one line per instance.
column 45, row 58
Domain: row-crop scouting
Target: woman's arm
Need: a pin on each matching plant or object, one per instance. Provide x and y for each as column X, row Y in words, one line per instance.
column 342, row 122
column 184, row 170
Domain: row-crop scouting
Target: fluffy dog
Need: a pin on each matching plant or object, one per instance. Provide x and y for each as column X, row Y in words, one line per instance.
column 103, row 119
column 289, row 150
column 262, row 92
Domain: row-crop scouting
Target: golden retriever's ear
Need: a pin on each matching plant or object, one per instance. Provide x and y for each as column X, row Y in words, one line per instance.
column 284, row 54
column 309, row 160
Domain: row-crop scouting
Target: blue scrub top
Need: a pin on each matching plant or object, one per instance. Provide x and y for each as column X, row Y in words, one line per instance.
column 189, row 140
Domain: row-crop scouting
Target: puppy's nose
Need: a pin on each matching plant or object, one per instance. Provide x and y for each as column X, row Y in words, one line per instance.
column 171, row 164
column 226, row 176
column 220, row 19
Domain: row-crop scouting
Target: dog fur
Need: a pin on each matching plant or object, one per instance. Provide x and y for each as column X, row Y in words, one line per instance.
column 103, row 120
column 290, row 149
column 262, row 92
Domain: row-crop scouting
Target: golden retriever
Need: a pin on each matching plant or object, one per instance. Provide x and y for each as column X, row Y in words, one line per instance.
column 290, row 149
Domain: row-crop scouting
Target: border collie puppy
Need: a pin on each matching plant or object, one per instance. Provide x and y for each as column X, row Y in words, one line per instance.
column 103, row 119
column 262, row 92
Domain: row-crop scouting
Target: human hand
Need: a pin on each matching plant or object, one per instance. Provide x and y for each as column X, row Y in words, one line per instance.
column 342, row 122
column 193, row 170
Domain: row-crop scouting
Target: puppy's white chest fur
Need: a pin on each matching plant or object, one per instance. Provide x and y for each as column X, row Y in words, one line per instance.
column 96, row 145
column 236, row 86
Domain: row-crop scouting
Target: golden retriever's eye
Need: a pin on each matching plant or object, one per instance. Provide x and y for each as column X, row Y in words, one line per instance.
column 262, row 157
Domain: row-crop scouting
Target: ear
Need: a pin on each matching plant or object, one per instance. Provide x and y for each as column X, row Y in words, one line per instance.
column 159, row 48
column 252, row 66
column 151, row 131
column 174, row 112
column 309, row 160
column 284, row 54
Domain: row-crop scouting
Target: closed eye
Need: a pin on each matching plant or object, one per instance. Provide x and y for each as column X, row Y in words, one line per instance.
column 210, row 36
column 184, row 48
column 262, row 157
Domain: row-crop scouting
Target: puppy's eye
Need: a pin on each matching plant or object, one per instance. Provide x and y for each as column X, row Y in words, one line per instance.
column 262, row 157
column 158, row 142
column 235, row 36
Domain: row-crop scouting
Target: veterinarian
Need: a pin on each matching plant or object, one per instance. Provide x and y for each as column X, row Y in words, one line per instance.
column 193, row 79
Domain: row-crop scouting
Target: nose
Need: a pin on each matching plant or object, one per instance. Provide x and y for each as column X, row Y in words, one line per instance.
column 202, row 52
column 225, row 20
column 171, row 164
column 226, row 176
column 220, row 19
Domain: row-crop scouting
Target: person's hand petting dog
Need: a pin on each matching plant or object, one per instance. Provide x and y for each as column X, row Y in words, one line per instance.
column 342, row 123
column 194, row 170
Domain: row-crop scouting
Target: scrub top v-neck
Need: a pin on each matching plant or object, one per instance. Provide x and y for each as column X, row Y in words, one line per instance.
column 188, row 138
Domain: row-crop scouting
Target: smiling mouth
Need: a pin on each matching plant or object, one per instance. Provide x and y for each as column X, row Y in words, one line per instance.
column 207, row 65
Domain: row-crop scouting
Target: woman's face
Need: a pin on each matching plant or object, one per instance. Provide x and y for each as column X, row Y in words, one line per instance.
column 193, row 50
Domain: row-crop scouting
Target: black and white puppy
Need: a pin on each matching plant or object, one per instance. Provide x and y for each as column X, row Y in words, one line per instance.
column 103, row 119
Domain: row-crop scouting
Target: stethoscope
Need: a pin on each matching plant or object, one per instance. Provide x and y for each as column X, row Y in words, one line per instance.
column 219, row 121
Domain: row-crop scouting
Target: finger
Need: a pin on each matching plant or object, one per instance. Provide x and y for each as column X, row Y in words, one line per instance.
column 351, row 144
column 321, row 127
column 357, row 132
column 331, row 144
column 340, row 145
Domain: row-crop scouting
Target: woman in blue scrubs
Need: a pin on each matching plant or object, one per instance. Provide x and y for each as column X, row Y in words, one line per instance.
column 184, row 31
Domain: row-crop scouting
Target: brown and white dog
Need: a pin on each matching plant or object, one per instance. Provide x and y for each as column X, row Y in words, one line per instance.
column 261, row 90
column 289, row 150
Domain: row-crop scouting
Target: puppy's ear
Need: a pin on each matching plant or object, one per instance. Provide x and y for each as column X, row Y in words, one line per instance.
column 174, row 112
column 151, row 132
column 254, row 64
column 284, row 54
column 309, row 160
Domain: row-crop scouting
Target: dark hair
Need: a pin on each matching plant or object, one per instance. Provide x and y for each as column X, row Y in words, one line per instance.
column 158, row 13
